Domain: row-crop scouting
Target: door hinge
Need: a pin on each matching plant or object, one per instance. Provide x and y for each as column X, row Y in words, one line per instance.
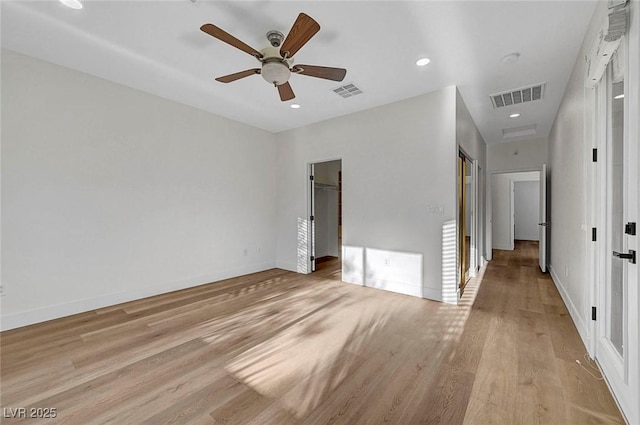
column 311, row 178
column 594, row 234
column 312, row 218
column 595, row 155
column 313, row 258
column 594, row 313
column 630, row 228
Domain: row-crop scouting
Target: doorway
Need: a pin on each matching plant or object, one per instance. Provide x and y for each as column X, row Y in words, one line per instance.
column 514, row 208
column 326, row 215
column 526, row 209
column 467, row 225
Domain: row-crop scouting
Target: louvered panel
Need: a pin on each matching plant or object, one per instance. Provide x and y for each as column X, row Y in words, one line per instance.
column 518, row 96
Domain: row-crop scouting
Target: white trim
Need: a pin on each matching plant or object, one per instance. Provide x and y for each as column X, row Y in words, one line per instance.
column 503, row 247
column 573, row 311
column 285, row 265
column 475, row 234
column 606, row 381
column 432, row 294
column 311, row 232
column 25, row 318
column 512, row 214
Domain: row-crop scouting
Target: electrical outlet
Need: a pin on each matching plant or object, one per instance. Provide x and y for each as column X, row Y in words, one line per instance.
column 387, row 262
column 245, row 252
column 3, row 288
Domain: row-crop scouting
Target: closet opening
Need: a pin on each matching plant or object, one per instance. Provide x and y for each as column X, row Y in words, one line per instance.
column 325, row 202
column 467, row 223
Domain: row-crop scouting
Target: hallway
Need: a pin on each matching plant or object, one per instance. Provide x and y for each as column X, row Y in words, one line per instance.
column 527, row 370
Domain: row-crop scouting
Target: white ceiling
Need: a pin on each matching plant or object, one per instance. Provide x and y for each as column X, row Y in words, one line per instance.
column 157, row 47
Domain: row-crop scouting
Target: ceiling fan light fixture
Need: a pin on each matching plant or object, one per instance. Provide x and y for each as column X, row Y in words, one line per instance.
column 423, row 61
column 275, row 72
column 73, row 4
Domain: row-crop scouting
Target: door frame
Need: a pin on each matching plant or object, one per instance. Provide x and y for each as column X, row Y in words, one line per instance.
column 489, row 204
column 311, row 232
column 543, row 220
column 512, row 203
column 310, row 193
column 624, row 382
column 482, row 209
column 473, row 262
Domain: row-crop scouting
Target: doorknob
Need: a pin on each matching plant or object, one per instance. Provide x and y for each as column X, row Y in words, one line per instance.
column 631, row 256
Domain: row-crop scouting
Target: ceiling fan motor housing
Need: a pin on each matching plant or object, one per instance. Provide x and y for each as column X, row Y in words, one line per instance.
column 275, row 38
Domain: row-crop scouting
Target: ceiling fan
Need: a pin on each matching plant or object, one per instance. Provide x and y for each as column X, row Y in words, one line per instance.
column 277, row 60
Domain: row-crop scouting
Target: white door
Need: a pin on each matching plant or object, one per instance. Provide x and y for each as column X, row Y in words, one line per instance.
column 617, row 315
column 542, row 223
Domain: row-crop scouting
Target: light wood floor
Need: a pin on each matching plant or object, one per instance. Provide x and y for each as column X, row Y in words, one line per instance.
column 280, row 348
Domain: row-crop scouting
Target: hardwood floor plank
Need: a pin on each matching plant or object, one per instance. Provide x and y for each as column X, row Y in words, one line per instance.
column 281, row 348
column 566, row 342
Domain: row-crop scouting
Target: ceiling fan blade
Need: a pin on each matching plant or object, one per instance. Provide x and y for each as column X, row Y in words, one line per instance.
column 286, row 92
column 222, row 35
column 335, row 74
column 302, row 30
column 242, row 74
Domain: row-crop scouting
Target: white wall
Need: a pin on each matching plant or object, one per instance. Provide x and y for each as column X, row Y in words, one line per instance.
column 110, row 194
column 391, row 157
column 522, row 155
column 468, row 137
column 527, row 210
column 569, row 145
column 501, row 231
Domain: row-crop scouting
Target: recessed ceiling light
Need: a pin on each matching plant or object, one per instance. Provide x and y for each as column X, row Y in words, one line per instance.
column 516, row 115
column 73, row 4
column 620, row 96
column 295, row 106
column 511, row 57
column 423, row 62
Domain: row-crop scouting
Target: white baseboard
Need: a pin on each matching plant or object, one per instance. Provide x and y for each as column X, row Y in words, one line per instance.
column 527, row 238
column 30, row 317
column 503, row 247
column 573, row 311
column 432, row 294
column 398, row 287
column 284, row 265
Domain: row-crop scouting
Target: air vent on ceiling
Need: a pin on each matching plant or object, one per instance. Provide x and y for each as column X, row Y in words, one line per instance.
column 517, row 96
column 525, row 130
column 348, row 90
